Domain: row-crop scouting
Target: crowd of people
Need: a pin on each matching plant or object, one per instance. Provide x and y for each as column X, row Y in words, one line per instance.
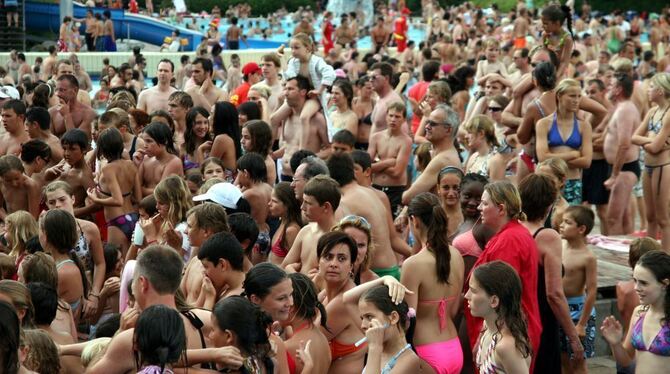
column 342, row 211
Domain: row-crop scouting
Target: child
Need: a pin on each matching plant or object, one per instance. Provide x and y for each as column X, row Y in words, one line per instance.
column 491, row 64
column 212, row 168
column 251, row 177
column 343, row 142
column 20, row 226
column 160, row 160
column 581, row 272
column 555, row 38
column 19, row 192
column 321, row 75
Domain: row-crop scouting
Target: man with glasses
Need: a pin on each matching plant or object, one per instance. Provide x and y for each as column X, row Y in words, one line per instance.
column 309, row 167
column 522, row 64
column 380, row 76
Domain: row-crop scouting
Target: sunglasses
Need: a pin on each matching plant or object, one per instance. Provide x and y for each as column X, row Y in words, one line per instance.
column 432, row 123
column 495, row 109
column 356, row 220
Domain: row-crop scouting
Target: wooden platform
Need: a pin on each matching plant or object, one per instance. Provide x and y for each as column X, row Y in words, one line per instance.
column 612, row 268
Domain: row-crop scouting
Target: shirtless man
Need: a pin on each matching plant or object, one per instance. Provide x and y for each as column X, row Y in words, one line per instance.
column 156, row 280
column 156, row 97
column 124, row 78
column 179, row 75
column 83, row 78
column 599, row 171
column 321, row 199
column 49, row 64
column 341, row 168
column 70, row 113
column 65, row 67
column 344, row 35
column 295, row 94
column 520, row 29
column 24, row 67
column 159, row 158
column 380, row 35
column 233, row 35
column 37, row 125
column 13, row 116
column 179, row 103
column 204, row 92
column 202, row 221
column 380, row 75
column 391, row 149
column 270, row 66
column 19, row 191
column 622, row 155
column 222, row 258
column 441, row 127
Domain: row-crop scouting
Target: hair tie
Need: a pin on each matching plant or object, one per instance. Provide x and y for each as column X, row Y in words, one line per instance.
column 411, row 313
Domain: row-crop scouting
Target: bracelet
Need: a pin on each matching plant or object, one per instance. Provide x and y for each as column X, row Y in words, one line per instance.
column 152, row 242
column 94, row 295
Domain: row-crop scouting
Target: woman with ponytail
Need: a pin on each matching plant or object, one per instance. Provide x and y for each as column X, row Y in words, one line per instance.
column 435, row 277
column 58, row 236
column 159, row 340
column 306, row 308
column 513, row 244
column 554, row 37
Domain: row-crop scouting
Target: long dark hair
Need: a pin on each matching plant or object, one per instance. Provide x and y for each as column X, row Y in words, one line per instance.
column 190, row 141
column 261, row 278
column 499, row 279
column 160, row 337
column 306, row 299
column 285, row 194
column 379, row 297
column 261, row 134
column 658, row 263
column 559, row 13
column 250, row 325
column 10, row 331
column 60, row 229
column 162, row 135
column 545, row 75
column 226, row 122
column 427, row 209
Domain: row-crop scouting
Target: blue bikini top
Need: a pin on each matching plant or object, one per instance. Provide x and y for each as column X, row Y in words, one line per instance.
column 555, row 139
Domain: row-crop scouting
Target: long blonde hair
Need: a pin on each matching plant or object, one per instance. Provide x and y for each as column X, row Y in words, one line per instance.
column 21, row 226
column 174, row 191
column 662, row 81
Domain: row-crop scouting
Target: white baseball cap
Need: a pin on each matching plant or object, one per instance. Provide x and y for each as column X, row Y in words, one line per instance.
column 226, row 194
column 9, row 92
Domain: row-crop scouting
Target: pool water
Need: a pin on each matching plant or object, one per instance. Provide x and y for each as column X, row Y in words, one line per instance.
column 287, row 25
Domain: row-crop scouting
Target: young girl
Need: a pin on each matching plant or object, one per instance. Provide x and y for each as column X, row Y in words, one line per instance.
column 58, row 235
column 251, row 177
column 286, row 207
column 19, row 228
column 320, row 74
column 213, row 168
column 491, row 64
column 159, row 340
column 197, row 141
column 495, row 294
column 448, row 190
column 36, row 157
column 160, row 158
column 173, row 200
column 226, row 132
column 555, row 38
column 558, row 170
column 481, row 140
column 88, row 244
column 118, row 187
column 646, row 342
column 257, row 137
column 359, row 230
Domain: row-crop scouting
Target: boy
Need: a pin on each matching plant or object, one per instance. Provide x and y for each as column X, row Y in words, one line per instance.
column 391, row 151
column 179, row 103
column 37, row 123
column 13, row 115
column 321, row 198
column 243, row 226
column 251, row 177
column 74, row 170
column 19, row 191
column 222, row 258
column 581, row 272
column 343, row 142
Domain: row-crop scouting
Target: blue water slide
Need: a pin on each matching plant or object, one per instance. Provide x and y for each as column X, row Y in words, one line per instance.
column 45, row 17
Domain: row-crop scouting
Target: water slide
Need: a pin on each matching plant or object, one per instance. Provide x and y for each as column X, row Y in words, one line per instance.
column 44, row 16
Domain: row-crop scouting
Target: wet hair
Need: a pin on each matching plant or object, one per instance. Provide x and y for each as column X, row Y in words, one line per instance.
column 538, row 193
column 329, row 240
column 261, row 278
column 341, row 167
column 110, row 144
column 345, row 137
column 560, row 14
column 162, row 135
column 427, row 209
column 640, row 246
column 347, row 90
column 254, row 164
column 286, row 196
column 250, row 109
column 582, row 216
column 71, row 79
column 379, row 297
column 210, row 216
column 658, row 263
column 190, row 141
column 306, row 302
column 223, row 245
column 33, row 149
column 545, row 75
column 174, row 192
column 243, row 226
column 484, row 124
column 162, row 114
column 10, row 331
column 182, row 99
column 362, row 159
column 162, row 266
column 325, row 190
column 45, row 301
column 160, row 338
column 505, row 193
column 450, row 170
column 261, row 137
column 40, row 115
column 226, row 122
column 250, row 324
column 43, row 355
column 75, row 137
column 9, row 163
column 499, row 279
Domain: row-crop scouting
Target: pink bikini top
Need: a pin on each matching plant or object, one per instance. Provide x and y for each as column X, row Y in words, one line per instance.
column 467, row 244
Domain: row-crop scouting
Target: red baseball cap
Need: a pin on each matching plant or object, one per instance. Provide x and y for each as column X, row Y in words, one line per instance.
column 405, row 10
column 250, row 68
